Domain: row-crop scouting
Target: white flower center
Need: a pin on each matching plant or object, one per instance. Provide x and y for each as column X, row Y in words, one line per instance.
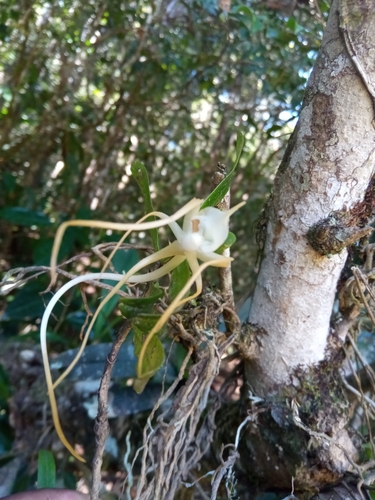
column 191, row 242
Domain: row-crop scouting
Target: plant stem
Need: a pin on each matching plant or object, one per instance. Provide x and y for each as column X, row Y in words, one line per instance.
column 101, row 427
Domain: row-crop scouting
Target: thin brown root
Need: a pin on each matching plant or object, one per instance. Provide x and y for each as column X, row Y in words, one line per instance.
column 180, row 437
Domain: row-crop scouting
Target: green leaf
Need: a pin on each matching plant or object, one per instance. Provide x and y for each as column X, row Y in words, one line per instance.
column 46, row 469
column 41, row 251
column 257, row 25
column 140, row 174
column 70, row 481
column 23, row 217
column 145, row 322
column 131, row 307
column 179, row 277
column 221, row 190
column 324, row 7
column 231, row 239
column 245, row 10
column 6, row 435
column 367, row 449
column 293, row 25
column 153, row 359
column 139, row 384
column 27, row 304
column 154, row 355
column 9, row 182
column 4, row 385
column 249, row 18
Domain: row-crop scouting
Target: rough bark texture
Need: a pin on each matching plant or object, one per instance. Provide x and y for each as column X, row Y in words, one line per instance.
column 327, row 167
column 322, row 180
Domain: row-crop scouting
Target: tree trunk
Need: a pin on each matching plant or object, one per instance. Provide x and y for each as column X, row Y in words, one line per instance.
column 312, row 216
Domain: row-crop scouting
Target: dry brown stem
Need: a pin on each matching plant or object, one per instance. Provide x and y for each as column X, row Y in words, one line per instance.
column 17, row 277
column 101, row 427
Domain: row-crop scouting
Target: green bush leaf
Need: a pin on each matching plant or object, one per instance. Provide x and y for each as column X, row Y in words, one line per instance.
column 23, row 217
column 4, row 385
column 6, row 434
column 221, row 190
column 244, row 10
column 46, row 469
column 9, row 182
column 28, row 304
column 145, row 322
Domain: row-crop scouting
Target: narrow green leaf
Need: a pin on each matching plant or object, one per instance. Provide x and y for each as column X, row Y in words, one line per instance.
column 179, row 277
column 140, row 174
column 4, row 385
column 46, row 469
column 9, row 182
column 221, row 190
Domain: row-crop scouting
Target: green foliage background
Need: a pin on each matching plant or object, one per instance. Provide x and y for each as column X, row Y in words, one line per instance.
column 88, row 87
column 96, row 85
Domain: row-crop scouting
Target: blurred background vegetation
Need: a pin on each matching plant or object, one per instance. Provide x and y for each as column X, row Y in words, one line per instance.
column 88, row 87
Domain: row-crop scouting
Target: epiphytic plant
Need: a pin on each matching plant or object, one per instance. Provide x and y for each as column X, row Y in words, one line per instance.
column 204, row 230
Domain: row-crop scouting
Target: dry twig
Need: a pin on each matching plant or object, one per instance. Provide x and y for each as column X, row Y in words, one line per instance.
column 18, row 276
column 101, row 427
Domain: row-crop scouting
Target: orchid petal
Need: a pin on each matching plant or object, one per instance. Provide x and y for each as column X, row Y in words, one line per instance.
column 213, row 225
column 221, row 260
column 117, row 226
column 43, row 345
column 129, row 277
column 158, row 273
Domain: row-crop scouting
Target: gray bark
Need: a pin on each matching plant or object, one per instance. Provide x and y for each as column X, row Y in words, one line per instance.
column 292, row 356
column 327, row 167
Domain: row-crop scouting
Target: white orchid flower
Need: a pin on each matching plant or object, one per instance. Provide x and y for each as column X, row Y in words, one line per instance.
column 203, row 232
